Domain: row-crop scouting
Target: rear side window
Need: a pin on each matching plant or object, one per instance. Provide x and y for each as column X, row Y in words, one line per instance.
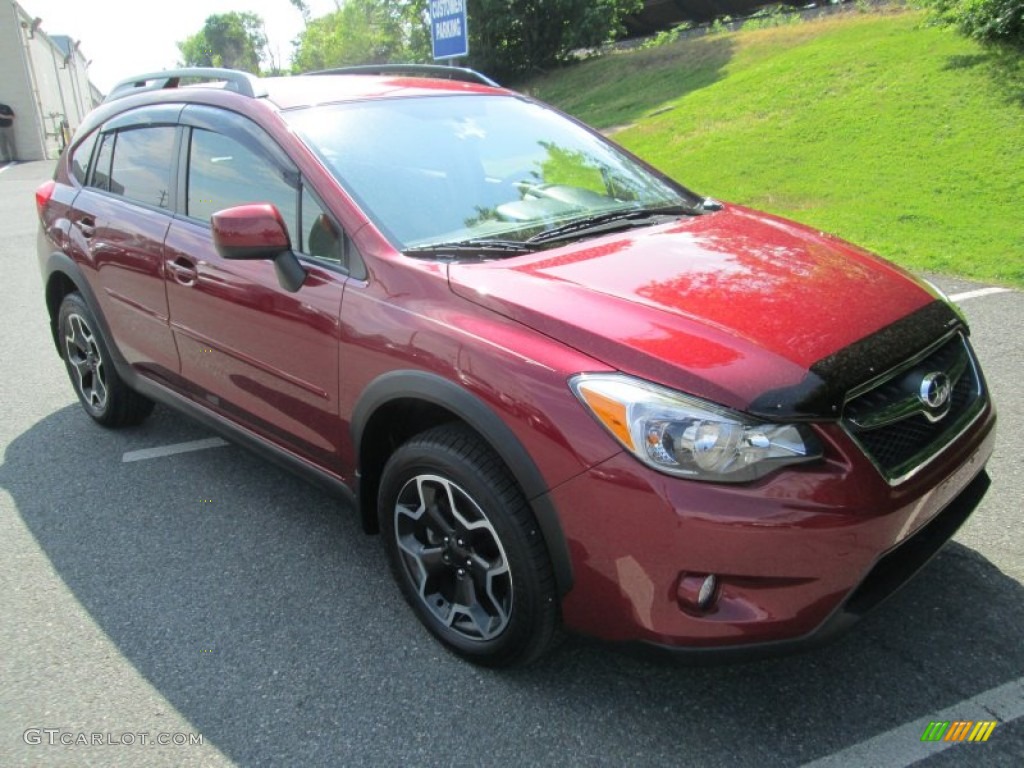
column 101, row 175
column 141, row 166
column 80, row 158
column 223, row 173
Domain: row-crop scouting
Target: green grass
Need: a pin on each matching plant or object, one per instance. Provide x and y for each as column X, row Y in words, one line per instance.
column 903, row 138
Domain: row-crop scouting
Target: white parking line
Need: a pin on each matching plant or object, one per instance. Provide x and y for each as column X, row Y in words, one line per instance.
column 977, row 293
column 902, row 746
column 170, row 450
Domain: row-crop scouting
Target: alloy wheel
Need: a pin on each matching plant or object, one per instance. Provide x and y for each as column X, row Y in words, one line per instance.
column 453, row 556
column 85, row 358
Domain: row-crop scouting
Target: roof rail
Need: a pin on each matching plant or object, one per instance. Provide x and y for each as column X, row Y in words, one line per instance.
column 234, row 80
column 438, row 71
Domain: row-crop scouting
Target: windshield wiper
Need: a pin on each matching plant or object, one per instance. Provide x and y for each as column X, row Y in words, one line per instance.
column 606, row 221
column 610, row 221
column 480, row 245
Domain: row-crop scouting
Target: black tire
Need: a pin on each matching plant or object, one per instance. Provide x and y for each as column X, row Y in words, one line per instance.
column 105, row 397
column 476, row 571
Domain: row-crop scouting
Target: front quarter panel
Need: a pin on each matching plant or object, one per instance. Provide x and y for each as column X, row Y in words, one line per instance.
column 518, row 374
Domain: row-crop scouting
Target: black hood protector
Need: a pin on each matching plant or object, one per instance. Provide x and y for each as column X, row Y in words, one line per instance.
column 823, row 390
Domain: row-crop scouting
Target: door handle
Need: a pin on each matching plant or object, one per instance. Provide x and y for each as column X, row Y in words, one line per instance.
column 86, row 225
column 184, row 270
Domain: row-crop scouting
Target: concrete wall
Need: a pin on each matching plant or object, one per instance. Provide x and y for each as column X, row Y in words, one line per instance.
column 45, row 81
column 75, row 79
column 16, row 85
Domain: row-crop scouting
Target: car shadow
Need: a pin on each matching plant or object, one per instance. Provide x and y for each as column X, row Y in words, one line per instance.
column 253, row 603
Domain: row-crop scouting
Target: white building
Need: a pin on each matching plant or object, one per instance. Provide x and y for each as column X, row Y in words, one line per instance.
column 43, row 78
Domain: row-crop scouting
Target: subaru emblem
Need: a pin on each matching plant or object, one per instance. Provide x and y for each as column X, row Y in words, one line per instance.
column 935, row 390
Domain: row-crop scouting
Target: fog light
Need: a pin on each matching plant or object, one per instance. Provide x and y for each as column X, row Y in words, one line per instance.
column 696, row 592
column 707, row 591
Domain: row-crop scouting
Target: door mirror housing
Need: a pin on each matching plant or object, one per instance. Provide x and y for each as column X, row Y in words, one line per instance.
column 257, row 231
column 250, row 232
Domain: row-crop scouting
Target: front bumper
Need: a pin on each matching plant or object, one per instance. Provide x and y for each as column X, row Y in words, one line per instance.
column 799, row 556
column 892, row 571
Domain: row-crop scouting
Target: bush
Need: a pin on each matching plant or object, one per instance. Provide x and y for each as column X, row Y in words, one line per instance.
column 666, row 36
column 775, row 16
column 511, row 39
column 990, row 21
column 720, row 26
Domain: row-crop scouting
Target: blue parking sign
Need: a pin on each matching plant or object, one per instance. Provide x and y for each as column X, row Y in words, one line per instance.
column 449, row 33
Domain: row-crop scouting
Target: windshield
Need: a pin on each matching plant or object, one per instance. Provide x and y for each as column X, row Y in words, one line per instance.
column 450, row 169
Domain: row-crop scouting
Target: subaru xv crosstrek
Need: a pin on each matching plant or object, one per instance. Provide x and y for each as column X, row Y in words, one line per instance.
column 570, row 393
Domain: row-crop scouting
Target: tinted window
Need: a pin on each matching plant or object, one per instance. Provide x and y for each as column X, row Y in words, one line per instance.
column 224, row 173
column 141, row 168
column 80, row 158
column 320, row 236
column 445, row 169
column 101, row 174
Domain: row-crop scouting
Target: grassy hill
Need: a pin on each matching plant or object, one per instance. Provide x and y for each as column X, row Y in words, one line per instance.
column 901, row 137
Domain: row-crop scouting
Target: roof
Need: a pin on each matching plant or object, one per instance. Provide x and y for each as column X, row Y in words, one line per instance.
column 326, row 87
column 306, row 91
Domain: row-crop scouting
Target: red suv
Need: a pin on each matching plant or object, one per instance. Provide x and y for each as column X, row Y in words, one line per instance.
column 566, row 390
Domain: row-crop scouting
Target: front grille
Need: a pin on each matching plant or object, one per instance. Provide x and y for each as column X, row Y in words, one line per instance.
column 897, row 430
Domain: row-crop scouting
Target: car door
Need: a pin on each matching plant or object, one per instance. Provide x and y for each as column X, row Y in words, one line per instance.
column 119, row 222
column 263, row 356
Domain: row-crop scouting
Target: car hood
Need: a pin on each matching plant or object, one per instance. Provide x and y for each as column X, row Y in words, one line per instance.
column 746, row 309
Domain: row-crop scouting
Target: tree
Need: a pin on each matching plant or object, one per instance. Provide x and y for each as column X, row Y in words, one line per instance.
column 511, row 38
column 508, row 38
column 364, row 32
column 302, row 8
column 233, row 40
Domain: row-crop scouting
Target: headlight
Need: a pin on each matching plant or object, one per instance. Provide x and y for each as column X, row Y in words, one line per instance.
column 689, row 437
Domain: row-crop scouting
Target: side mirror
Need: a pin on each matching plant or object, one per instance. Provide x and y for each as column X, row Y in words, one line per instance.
column 257, row 231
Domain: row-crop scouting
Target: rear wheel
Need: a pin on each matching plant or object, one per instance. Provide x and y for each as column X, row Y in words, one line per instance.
column 466, row 550
column 105, row 397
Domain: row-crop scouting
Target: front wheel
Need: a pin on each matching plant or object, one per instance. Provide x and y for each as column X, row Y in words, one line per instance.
column 466, row 549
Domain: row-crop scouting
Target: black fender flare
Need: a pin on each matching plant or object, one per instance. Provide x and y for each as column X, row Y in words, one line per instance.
column 62, row 263
column 442, row 392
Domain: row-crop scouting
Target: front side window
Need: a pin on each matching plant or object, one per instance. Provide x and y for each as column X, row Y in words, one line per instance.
column 141, row 166
column 223, row 173
column 320, row 236
column 449, row 168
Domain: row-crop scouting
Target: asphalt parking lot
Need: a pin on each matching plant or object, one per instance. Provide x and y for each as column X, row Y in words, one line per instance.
column 211, row 593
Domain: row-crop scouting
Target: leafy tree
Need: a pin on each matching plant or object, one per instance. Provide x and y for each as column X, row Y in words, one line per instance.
column 302, row 8
column 511, row 38
column 234, row 40
column 508, row 38
column 365, row 32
